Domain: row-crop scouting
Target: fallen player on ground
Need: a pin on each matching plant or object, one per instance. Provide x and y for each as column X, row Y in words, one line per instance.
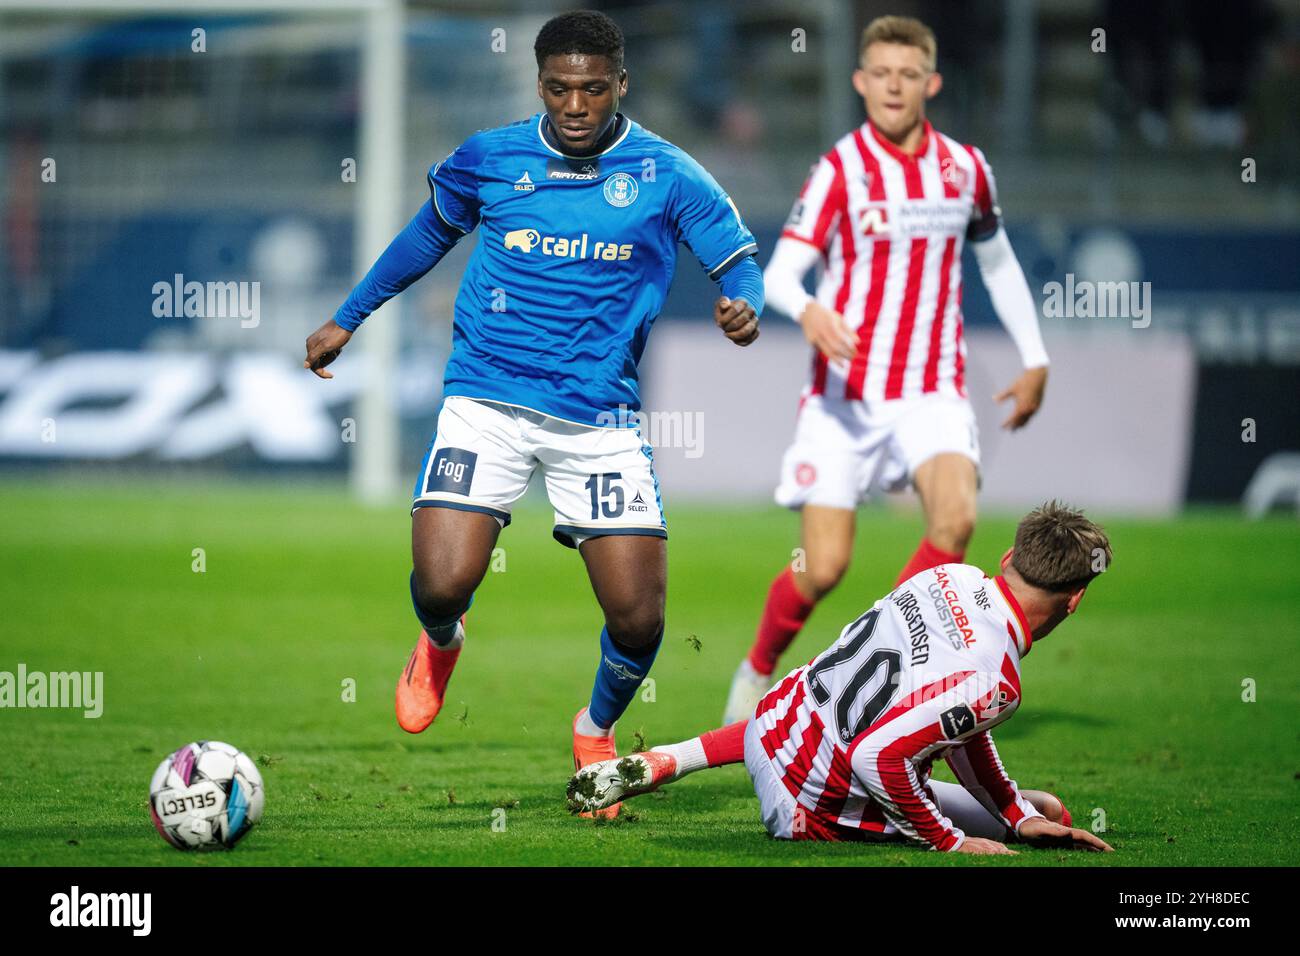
column 841, row 749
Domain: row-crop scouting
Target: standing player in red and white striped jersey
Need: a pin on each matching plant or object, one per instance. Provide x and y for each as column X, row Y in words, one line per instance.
column 886, row 213
column 842, row 748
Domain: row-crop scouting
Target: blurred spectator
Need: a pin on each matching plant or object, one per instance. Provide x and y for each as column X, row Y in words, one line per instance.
column 1144, row 39
column 1273, row 136
column 1229, row 39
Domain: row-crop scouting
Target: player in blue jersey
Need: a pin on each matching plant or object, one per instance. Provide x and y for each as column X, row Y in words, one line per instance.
column 579, row 211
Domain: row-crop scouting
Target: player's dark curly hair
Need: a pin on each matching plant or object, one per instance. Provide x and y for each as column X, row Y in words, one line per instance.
column 580, row 31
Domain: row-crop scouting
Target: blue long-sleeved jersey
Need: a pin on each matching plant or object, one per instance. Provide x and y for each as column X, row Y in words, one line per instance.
column 574, row 260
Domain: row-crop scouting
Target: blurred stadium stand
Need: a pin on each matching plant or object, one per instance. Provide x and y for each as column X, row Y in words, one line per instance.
column 225, row 165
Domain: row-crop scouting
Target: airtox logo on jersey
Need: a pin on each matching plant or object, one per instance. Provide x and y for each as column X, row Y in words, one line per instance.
column 620, row 190
column 523, row 184
column 565, row 169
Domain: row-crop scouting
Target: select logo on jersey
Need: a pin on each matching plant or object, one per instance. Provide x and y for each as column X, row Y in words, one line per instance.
column 957, row 721
column 523, row 184
column 452, row 470
column 568, row 247
column 620, row 190
column 637, row 504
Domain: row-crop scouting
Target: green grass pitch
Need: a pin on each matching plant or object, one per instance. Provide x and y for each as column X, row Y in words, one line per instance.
column 1133, row 709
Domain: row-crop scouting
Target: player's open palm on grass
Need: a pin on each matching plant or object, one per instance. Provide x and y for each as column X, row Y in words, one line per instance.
column 1042, row 832
column 982, row 846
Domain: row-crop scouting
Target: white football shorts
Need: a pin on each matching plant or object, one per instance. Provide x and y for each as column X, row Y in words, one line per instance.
column 843, row 451
column 600, row 480
column 778, row 806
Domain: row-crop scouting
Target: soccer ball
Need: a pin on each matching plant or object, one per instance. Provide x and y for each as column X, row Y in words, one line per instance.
column 205, row 796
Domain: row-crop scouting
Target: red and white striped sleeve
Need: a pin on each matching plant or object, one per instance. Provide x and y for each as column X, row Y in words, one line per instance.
column 821, row 203
column 893, row 782
column 980, row 771
column 884, row 758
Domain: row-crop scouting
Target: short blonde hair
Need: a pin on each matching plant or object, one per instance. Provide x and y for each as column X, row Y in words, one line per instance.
column 1059, row 549
column 907, row 31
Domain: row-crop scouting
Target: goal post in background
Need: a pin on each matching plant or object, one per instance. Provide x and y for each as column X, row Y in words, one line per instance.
column 382, row 137
column 380, row 141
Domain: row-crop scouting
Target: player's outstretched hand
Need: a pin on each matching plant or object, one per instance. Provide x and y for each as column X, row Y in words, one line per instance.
column 1027, row 390
column 736, row 317
column 983, row 847
column 1042, row 832
column 324, row 346
column 827, row 332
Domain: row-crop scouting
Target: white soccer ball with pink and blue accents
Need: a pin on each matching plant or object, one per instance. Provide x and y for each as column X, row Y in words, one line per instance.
column 205, row 796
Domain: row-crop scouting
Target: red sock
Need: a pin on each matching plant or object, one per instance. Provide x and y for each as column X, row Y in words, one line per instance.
column 1066, row 821
column 725, row 745
column 783, row 616
column 927, row 556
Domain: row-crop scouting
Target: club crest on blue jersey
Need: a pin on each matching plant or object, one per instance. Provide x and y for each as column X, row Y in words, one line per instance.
column 620, row 190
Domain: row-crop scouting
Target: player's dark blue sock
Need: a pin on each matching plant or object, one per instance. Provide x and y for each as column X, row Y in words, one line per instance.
column 619, row 675
column 441, row 630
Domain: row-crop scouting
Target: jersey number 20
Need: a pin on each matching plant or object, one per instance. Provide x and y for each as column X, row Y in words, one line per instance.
column 845, row 655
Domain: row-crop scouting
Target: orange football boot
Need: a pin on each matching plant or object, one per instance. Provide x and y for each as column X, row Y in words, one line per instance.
column 588, row 750
column 423, row 685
